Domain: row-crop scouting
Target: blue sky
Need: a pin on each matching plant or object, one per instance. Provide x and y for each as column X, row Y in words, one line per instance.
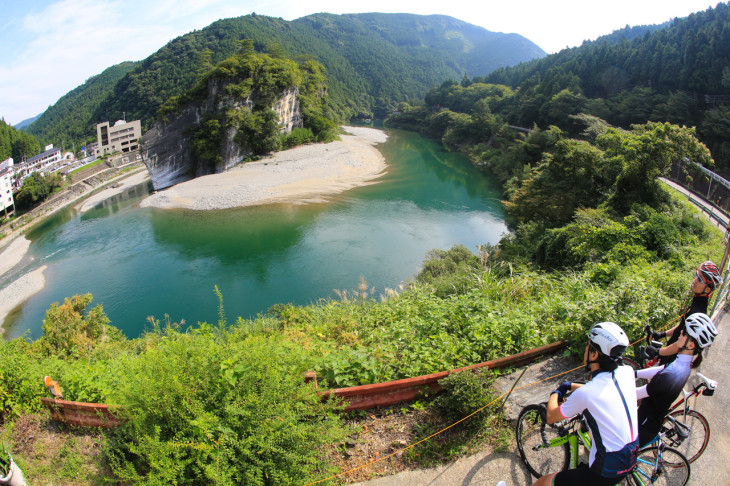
column 49, row 47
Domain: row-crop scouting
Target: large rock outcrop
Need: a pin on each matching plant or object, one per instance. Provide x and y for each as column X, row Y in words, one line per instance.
column 166, row 147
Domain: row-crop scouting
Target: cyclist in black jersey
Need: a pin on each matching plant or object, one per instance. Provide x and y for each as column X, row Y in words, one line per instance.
column 707, row 279
column 667, row 382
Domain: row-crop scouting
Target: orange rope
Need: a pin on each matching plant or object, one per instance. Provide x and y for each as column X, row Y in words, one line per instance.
column 440, row 431
column 374, row 461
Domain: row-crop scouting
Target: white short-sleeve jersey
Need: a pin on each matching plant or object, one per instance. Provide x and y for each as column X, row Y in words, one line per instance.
column 611, row 418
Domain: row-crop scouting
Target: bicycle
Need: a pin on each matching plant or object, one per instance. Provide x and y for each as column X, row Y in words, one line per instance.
column 546, row 448
column 694, row 442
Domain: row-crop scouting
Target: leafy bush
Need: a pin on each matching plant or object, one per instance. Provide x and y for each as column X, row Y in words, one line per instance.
column 298, row 136
column 204, row 409
column 466, row 392
column 67, row 331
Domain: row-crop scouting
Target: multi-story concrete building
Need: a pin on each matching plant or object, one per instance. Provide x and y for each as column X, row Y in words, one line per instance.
column 45, row 161
column 122, row 137
column 6, row 186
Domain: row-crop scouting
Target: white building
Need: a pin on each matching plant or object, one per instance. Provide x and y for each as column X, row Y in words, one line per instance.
column 46, row 161
column 6, row 186
column 122, row 137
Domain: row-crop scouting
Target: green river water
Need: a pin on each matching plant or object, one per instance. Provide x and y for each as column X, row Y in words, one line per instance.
column 149, row 262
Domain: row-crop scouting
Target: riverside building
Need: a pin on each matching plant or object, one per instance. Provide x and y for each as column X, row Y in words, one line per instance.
column 43, row 162
column 121, row 137
column 6, row 186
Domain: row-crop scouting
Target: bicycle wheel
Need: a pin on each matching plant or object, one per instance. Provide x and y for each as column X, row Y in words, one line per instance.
column 693, row 446
column 533, row 437
column 662, row 466
column 635, row 366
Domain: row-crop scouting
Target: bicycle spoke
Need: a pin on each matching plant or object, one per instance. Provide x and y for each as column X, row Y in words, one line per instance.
column 694, row 445
column 533, row 437
column 661, row 467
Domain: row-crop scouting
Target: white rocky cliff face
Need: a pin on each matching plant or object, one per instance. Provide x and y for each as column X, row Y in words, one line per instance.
column 166, row 146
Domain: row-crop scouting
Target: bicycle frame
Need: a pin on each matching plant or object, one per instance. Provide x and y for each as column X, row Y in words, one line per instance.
column 574, row 439
column 706, row 387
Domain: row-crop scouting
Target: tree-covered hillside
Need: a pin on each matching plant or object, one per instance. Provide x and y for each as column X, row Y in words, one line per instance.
column 372, row 62
column 71, row 119
column 679, row 74
column 16, row 143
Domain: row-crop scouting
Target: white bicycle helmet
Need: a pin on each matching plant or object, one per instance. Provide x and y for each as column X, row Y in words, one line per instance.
column 701, row 328
column 608, row 339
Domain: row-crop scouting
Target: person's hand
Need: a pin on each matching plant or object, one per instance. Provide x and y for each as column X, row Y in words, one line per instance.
column 652, row 352
column 658, row 334
column 562, row 390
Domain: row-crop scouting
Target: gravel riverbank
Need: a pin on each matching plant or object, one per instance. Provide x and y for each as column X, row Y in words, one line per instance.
column 303, row 174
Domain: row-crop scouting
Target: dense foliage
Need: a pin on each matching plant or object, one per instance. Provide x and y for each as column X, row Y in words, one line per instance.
column 372, row 61
column 244, row 89
column 73, row 118
column 16, row 144
column 679, row 74
column 35, row 189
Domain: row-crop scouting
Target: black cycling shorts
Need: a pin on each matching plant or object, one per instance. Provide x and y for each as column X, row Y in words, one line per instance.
column 582, row 476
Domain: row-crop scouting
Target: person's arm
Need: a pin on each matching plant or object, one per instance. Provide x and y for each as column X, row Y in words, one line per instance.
column 641, row 392
column 648, row 373
column 671, row 331
column 553, row 406
column 553, row 409
column 670, row 350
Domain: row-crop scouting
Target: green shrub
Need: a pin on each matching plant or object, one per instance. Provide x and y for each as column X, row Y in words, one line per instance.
column 466, row 392
column 298, row 136
column 203, row 410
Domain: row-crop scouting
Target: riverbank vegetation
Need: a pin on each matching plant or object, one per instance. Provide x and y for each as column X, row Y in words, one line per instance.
column 595, row 236
column 199, row 399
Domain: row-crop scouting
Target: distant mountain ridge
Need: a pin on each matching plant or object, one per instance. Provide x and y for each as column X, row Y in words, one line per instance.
column 26, row 122
column 373, row 61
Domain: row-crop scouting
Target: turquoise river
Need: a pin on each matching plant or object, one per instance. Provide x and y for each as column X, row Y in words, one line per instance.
column 150, row 262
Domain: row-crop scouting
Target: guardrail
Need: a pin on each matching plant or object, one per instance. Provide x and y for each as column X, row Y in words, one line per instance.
column 82, row 414
column 392, row 392
column 359, row 397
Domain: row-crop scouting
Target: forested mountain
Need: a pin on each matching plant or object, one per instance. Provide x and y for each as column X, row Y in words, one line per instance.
column 26, row 122
column 16, row 143
column 72, row 117
column 372, row 61
column 679, row 74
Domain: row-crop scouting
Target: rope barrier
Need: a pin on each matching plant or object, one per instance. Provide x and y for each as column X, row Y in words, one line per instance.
column 375, row 461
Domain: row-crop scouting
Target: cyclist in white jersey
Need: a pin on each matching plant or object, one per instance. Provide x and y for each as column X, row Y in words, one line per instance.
column 608, row 402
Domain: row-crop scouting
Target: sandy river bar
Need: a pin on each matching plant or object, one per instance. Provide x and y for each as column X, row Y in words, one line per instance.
column 302, row 174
